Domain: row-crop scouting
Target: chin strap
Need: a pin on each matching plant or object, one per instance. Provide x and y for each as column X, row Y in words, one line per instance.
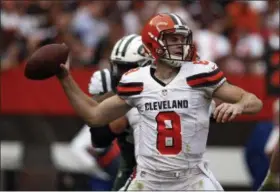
column 172, row 63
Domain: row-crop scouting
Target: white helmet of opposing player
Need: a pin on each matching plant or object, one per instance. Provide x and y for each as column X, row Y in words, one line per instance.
column 130, row 49
column 127, row 53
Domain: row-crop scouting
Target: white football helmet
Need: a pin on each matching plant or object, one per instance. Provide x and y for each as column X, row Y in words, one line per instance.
column 127, row 53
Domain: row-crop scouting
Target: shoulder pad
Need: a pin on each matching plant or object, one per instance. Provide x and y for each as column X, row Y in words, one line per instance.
column 205, row 73
column 204, row 66
column 130, row 83
column 100, row 82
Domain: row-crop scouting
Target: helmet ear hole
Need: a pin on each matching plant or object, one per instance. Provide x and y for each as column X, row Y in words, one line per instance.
column 160, row 52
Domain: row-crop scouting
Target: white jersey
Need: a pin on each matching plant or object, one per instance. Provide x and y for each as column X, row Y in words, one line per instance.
column 174, row 118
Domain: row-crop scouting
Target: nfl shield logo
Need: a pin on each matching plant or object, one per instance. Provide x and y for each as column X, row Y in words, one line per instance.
column 164, row 92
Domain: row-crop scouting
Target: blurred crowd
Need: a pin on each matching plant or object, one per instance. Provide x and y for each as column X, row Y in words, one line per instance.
column 235, row 34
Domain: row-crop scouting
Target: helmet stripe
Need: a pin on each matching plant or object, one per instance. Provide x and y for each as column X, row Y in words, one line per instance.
column 127, row 43
column 119, row 45
column 179, row 22
column 173, row 19
column 177, row 19
column 104, row 82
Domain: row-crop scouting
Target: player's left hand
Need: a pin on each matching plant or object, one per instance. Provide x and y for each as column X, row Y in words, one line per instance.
column 227, row 112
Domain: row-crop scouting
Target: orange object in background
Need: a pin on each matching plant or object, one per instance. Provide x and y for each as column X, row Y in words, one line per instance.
column 243, row 17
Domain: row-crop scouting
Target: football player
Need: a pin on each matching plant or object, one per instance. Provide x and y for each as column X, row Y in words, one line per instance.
column 173, row 100
column 102, row 85
column 127, row 53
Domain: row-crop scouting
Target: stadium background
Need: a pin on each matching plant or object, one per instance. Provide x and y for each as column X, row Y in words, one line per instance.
column 37, row 123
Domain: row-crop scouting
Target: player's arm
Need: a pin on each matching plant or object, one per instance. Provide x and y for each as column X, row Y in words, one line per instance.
column 89, row 110
column 94, row 114
column 233, row 94
column 100, row 98
column 104, row 135
column 237, row 100
column 212, row 81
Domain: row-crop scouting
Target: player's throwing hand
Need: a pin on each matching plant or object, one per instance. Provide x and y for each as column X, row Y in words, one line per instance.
column 227, row 112
column 65, row 67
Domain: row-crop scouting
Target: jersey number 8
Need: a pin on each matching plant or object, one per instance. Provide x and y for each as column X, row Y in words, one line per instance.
column 169, row 139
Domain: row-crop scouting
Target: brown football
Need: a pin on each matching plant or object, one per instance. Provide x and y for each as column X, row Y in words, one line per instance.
column 45, row 61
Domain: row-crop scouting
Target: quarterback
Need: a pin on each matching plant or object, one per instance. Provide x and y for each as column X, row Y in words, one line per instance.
column 102, row 85
column 173, row 101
